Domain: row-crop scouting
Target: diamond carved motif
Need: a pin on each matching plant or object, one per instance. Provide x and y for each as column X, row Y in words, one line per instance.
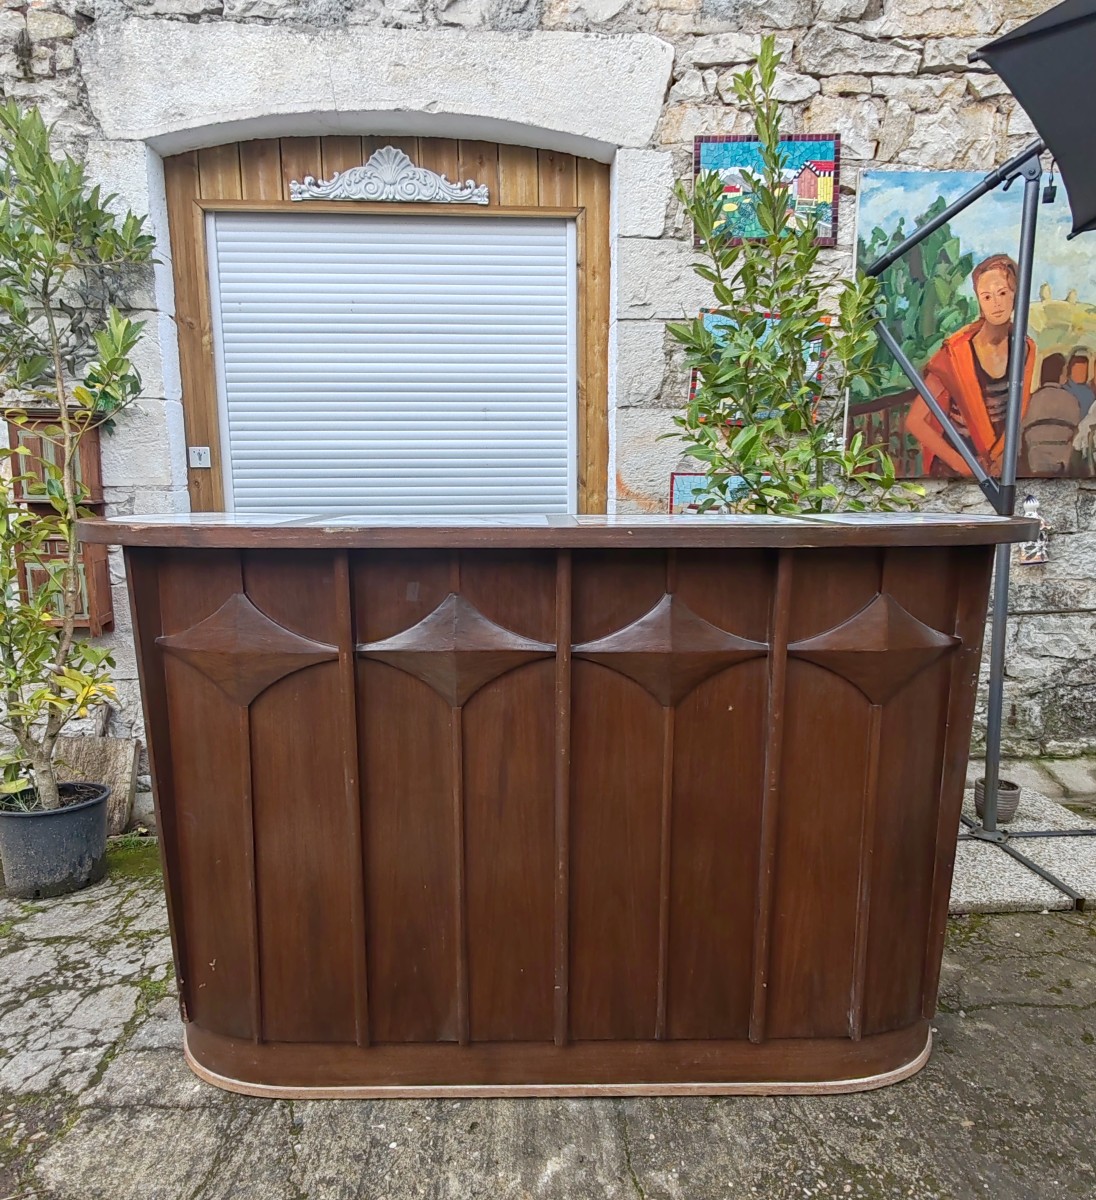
column 670, row 650
column 243, row 651
column 456, row 650
column 878, row 650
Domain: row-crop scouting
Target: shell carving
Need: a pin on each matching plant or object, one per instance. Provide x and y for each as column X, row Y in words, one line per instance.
column 390, row 175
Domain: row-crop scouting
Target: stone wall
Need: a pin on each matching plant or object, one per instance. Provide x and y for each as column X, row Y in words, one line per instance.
column 890, row 76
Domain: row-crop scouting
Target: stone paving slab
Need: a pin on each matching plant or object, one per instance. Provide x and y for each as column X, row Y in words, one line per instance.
column 1006, row 1106
column 1077, row 776
column 988, row 880
column 1028, row 774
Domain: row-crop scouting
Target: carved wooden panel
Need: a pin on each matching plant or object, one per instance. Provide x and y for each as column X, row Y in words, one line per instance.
column 243, row 651
column 669, row 650
column 879, row 649
column 533, row 868
column 456, row 650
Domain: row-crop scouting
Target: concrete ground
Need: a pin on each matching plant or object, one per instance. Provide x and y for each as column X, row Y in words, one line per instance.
column 96, row 1101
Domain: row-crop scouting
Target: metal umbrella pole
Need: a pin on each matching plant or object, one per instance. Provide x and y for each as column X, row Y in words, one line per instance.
column 1001, row 493
column 1031, row 170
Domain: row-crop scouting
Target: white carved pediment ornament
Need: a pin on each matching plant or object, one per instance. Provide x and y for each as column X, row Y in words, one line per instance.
column 390, row 175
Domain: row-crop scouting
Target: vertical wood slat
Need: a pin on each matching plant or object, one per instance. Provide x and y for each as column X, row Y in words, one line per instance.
column 250, row 852
column 456, row 744
column 519, row 186
column 664, row 870
column 456, row 766
column 774, row 740
column 557, row 177
column 143, row 586
column 594, row 320
column 409, row 145
column 440, row 155
column 188, row 262
column 219, row 172
column 562, row 794
column 974, row 570
column 665, row 828
column 339, row 154
column 249, row 849
column 867, row 843
column 349, row 705
column 479, row 161
column 261, row 169
column 300, row 157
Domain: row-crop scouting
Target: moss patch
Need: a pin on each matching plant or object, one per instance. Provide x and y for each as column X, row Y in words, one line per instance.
column 133, row 858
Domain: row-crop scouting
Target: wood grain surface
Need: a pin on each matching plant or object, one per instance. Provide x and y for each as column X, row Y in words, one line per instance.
column 541, row 816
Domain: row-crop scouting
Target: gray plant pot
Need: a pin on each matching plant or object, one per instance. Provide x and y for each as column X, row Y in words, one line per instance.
column 57, row 851
column 1008, row 799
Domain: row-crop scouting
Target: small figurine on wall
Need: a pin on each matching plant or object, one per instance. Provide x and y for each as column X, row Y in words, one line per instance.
column 1034, row 553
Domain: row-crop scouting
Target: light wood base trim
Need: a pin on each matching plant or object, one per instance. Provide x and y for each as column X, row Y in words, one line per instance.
column 835, row 1087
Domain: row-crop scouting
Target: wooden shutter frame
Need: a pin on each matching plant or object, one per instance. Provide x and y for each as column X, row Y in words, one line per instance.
column 213, row 180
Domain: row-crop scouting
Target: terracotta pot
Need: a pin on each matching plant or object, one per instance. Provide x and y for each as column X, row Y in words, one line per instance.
column 1008, row 799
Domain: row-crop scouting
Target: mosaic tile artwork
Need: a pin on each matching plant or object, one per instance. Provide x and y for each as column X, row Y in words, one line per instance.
column 811, row 173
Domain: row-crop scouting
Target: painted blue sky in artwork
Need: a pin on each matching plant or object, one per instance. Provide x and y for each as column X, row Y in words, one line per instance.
column 989, row 226
column 722, row 156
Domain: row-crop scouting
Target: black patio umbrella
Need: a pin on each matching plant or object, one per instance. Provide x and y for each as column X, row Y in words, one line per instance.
column 1049, row 65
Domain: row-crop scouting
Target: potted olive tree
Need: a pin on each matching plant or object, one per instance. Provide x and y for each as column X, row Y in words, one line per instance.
column 779, row 350
column 64, row 351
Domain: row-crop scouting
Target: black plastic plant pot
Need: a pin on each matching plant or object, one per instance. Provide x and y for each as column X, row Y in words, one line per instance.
column 51, row 852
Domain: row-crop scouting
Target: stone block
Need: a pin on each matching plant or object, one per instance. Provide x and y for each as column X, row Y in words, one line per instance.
column 951, row 53
column 761, row 14
column 936, row 18
column 828, row 50
column 791, row 88
column 842, row 10
column 644, row 462
column 139, row 451
column 856, row 119
column 681, row 123
column 1019, row 124
column 181, row 76
column 689, row 87
column 656, row 279
column 729, row 49
column 645, row 185
column 112, row 761
column 986, row 87
column 846, row 85
column 43, row 25
column 953, row 139
column 599, row 12
column 640, row 362
column 922, row 94
column 1077, row 776
column 468, row 14
column 194, row 8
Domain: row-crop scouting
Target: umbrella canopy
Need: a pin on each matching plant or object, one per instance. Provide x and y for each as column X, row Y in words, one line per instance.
column 1049, row 65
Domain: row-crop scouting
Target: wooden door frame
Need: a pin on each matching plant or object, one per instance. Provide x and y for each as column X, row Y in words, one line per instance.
column 190, row 199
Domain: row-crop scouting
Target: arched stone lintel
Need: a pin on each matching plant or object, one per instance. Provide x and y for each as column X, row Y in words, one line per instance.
column 188, row 86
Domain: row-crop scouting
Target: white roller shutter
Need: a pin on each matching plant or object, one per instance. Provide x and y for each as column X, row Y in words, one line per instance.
column 395, row 365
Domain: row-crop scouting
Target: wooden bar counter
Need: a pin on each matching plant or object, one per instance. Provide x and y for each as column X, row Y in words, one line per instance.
column 570, row 806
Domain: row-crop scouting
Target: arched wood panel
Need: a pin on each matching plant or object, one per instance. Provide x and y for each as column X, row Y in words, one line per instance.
column 257, row 175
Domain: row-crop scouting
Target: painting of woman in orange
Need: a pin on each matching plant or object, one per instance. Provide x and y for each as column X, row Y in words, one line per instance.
column 968, row 375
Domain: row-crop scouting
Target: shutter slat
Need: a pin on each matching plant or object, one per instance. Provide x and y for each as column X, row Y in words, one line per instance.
column 375, row 365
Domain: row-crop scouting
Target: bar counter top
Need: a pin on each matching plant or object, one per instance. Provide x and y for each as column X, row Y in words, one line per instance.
column 280, row 531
